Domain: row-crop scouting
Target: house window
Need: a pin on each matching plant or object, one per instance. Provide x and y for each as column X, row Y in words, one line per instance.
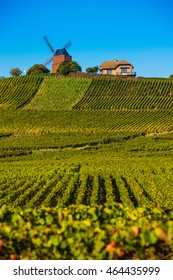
column 109, row 72
column 124, row 71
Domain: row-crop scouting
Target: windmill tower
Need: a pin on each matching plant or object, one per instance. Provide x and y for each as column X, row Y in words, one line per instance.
column 59, row 56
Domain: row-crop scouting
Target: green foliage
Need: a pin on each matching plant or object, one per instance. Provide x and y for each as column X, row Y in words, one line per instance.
column 10, row 153
column 63, row 140
column 15, row 72
column 92, row 69
column 75, row 67
column 128, row 94
column 75, row 188
column 17, row 91
column 89, row 70
column 64, row 68
column 59, row 93
column 106, row 232
column 75, row 176
column 37, row 69
column 38, row 122
column 68, row 67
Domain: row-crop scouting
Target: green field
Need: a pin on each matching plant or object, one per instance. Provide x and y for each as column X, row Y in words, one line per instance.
column 86, row 168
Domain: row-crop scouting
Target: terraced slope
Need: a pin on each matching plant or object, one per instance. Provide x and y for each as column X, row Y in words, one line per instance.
column 48, row 182
column 32, row 122
column 85, row 104
column 128, row 94
column 16, row 92
column 64, row 93
column 59, row 93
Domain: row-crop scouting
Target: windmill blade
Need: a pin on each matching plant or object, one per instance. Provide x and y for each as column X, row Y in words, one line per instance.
column 48, row 61
column 49, row 45
column 67, row 45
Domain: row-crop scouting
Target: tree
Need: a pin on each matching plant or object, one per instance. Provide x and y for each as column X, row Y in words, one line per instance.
column 92, row 69
column 15, row 72
column 171, row 76
column 89, row 70
column 68, row 67
column 95, row 69
column 37, row 69
column 64, row 68
column 75, row 67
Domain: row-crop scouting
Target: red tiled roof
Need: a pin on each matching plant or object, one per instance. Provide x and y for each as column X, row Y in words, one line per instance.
column 113, row 64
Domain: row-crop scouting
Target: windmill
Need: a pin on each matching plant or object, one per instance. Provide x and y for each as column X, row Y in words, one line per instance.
column 59, row 55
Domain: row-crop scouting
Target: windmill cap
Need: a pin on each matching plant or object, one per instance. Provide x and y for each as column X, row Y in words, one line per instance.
column 61, row 52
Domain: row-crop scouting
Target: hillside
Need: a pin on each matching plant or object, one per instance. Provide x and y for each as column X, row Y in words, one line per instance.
column 66, row 93
column 86, row 168
column 16, row 92
column 128, row 94
column 85, row 104
column 59, row 93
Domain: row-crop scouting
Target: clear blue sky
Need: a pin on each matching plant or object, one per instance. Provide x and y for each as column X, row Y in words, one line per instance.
column 139, row 31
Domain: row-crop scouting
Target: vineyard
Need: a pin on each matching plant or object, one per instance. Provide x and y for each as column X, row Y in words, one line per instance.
column 45, row 122
column 86, row 168
column 91, row 208
column 56, row 186
column 128, row 94
column 58, row 93
column 85, row 233
column 16, row 92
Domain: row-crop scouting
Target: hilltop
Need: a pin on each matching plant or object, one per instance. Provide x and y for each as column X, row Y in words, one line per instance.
column 88, row 92
column 85, row 104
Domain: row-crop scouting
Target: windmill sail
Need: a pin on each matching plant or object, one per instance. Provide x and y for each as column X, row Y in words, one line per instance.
column 67, row 45
column 48, row 43
column 48, row 61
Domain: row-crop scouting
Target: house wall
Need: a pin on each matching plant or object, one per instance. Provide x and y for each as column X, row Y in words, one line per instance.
column 117, row 71
column 104, row 71
column 57, row 60
column 114, row 72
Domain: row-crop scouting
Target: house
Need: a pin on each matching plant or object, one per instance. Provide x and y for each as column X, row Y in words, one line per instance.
column 117, row 68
